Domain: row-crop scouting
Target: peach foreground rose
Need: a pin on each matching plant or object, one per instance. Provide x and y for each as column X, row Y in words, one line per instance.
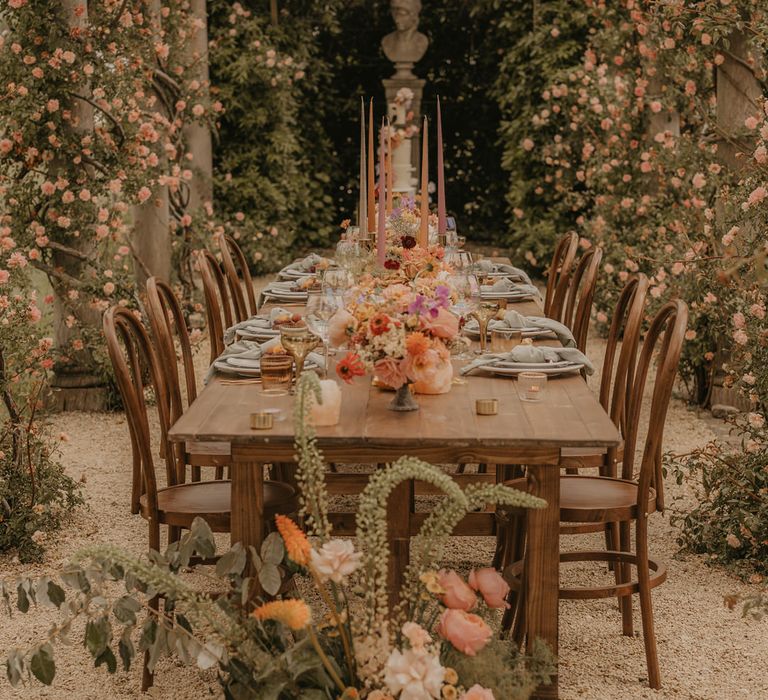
column 458, row 595
column 337, row 327
column 477, row 692
column 466, row 632
column 390, row 371
column 431, row 371
column 444, row 325
column 490, row 584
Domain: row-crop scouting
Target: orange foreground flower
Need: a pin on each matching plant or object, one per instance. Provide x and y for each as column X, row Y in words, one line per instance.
column 350, row 366
column 296, row 542
column 292, row 613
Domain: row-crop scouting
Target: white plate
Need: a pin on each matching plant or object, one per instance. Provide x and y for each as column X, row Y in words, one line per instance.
column 295, row 274
column 552, row 369
column 509, row 296
column 226, row 368
column 285, row 294
column 257, row 333
column 473, row 330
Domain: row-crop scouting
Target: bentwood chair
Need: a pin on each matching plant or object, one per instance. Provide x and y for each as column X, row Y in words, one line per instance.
column 236, row 268
column 173, row 347
column 175, row 505
column 630, row 497
column 581, row 292
column 220, row 309
column 558, row 278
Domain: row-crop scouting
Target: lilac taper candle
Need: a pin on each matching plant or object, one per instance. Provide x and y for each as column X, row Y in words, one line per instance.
column 381, row 228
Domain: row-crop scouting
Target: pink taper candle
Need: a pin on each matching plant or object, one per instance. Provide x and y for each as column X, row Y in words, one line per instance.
column 423, row 240
column 441, row 214
column 371, row 164
column 390, row 174
column 381, row 228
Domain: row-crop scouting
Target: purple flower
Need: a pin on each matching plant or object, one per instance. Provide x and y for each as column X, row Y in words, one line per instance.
column 418, row 305
column 442, row 296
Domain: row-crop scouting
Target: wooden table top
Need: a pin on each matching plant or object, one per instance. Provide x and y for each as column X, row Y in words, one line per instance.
column 569, row 415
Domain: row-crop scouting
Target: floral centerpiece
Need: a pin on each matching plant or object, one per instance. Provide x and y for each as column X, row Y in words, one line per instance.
column 399, row 334
column 405, row 259
column 438, row 642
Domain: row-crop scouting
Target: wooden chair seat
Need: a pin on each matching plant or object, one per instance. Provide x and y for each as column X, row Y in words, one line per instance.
column 586, row 457
column 596, row 499
column 211, row 500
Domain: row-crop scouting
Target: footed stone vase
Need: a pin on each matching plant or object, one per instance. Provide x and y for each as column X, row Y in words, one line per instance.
column 403, row 400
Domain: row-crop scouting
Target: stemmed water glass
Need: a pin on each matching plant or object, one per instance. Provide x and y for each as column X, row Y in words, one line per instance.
column 299, row 341
column 467, row 290
column 336, row 282
column 320, row 310
column 459, row 260
column 483, row 313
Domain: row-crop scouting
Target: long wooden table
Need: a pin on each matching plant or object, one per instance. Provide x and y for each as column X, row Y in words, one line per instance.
column 446, row 429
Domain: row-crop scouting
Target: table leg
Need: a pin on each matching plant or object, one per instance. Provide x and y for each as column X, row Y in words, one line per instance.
column 399, row 509
column 543, row 564
column 248, row 505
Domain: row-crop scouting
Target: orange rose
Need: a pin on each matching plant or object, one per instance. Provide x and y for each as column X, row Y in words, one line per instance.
column 466, row 632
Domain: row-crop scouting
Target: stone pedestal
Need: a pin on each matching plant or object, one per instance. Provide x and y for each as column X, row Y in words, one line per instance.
column 416, row 85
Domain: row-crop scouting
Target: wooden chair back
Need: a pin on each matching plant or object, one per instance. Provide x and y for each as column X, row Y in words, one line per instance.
column 169, row 330
column 621, row 350
column 581, row 292
column 236, row 269
column 136, row 369
column 219, row 306
column 666, row 335
column 559, row 275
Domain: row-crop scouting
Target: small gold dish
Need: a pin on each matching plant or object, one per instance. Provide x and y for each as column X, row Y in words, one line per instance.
column 487, row 407
column 263, row 420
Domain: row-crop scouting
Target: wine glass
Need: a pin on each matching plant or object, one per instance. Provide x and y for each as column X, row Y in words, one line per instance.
column 459, row 260
column 337, row 281
column 299, row 342
column 463, row 287
column 320, row 310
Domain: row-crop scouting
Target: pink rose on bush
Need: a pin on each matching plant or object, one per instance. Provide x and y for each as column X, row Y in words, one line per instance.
column 477, row 692
column 458, row 595
column 490, row 584
column 466, row 632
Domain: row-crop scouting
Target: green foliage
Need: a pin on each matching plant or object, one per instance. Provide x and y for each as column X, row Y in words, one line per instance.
column 273, row 159
column 730, row 518
column 36, row 496
column 502, row 669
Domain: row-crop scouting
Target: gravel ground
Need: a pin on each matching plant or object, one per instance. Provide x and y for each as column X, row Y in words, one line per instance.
column 705, row 650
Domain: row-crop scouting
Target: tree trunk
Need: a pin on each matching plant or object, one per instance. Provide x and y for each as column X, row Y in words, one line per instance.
column 151, row 236
column 738, row 96
column 197, row 137
column 76, row 385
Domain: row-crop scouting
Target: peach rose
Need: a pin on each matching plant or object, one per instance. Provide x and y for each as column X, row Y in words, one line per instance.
column 444, row 325
column 431, row 371
column 390, row 371
column 477, row 692
column 466, row 632
column 338, row 325
column 490, row 584
column 458, row 595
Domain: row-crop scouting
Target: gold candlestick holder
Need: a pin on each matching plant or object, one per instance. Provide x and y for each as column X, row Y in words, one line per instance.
column 484, row 312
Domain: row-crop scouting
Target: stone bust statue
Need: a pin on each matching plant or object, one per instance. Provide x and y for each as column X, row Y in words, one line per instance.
column 406, row 45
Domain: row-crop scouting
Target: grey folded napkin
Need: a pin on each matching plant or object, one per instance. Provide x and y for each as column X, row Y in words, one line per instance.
column 251, row 350
column 258, row 321
column 532, row 353
column 514, row 273
column 514, row 319
column 305, row 264
column 247, row 349
column 504, row 284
